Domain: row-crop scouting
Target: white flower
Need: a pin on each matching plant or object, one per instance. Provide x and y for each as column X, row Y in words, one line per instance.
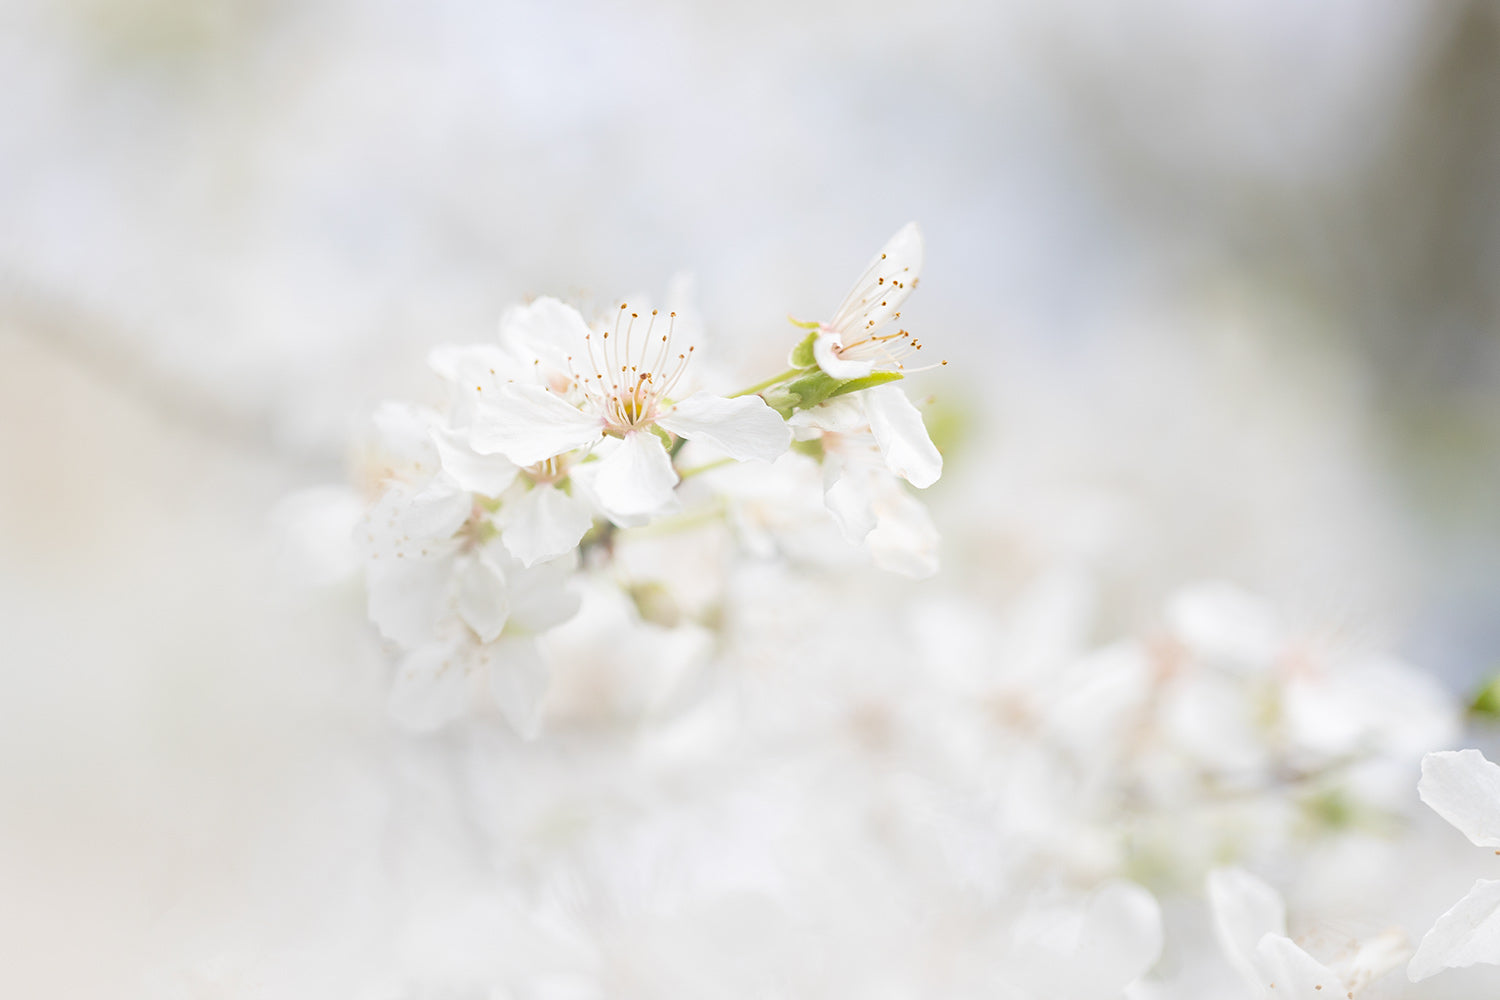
column 619, row 396
column 854, row 342
column 488, row 644
column 1463, row 787
column 424, row 563
column 870, row 438
column 538, row 517
column 1250, row 923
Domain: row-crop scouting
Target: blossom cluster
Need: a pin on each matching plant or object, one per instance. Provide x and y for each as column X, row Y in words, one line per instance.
column 570, row 435
column 730, row 761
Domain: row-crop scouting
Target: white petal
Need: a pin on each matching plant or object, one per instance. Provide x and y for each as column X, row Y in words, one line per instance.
column 544, row 522
column 402, row 429
column 545, row 329
column 744, row 427
column 518, row 678
column 1121, row 936
column 1245, row 910
column 435, row 513
column 904, row 540
column 902, row 437
column 471, row 371
column 1466, row 934
column 825, row 351
column 1295, row 973
column 430, row 688
column 1376, row 957
column 1464, row 788
column 841, row 415
column 469, row 364
column 527, row 424
column 850, row 500
column 887, row 281
column 637, row 477
column 407, row 597
column 480, row 596
column 541, row 595
column 487, row 475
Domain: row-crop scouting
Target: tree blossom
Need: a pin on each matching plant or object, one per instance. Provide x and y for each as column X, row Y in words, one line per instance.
column 619, row 401
column 1463, row 787
column 854, row 343
column 869, row 439
column 539, row 516
column 1250, row 922
column 489, row 645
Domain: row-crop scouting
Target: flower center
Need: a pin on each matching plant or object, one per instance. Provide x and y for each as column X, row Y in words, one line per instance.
column 630, row 370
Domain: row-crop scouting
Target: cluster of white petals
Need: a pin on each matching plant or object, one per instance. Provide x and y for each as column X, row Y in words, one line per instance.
column 1463, row 787
column 690, row 748
column 565, row 438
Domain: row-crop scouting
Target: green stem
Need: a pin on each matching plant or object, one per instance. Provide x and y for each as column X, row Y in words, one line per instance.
column 757, row 387
column 705, row 467
column 682, row 522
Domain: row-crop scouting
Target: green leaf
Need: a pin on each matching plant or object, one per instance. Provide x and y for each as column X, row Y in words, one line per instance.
column 802, row 355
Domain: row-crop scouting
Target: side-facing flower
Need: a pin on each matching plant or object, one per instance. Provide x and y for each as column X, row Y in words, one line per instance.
column 619, row 401
column 856, row 341
column 869, row 440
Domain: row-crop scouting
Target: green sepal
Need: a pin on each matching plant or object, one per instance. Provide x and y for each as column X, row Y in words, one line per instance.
column 804, row 391
column 802, row 355
column 866, row 382
column 814, row 386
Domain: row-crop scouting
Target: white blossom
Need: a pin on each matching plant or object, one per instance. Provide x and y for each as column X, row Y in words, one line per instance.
column 855, row 342
column 1463, row 787
column 618, row 402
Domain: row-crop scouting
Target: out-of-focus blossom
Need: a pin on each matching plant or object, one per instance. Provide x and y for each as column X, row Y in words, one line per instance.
column 1250, row 923
column 1463, row 787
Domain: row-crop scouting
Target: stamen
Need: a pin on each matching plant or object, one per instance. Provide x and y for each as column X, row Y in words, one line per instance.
column 620, row 384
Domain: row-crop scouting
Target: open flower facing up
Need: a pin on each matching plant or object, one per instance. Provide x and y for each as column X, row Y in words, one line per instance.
column 1463, row 787
column 857, row 340
column 619, row 401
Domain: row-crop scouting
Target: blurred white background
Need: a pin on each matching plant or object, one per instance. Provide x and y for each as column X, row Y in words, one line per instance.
column 1216, row 282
